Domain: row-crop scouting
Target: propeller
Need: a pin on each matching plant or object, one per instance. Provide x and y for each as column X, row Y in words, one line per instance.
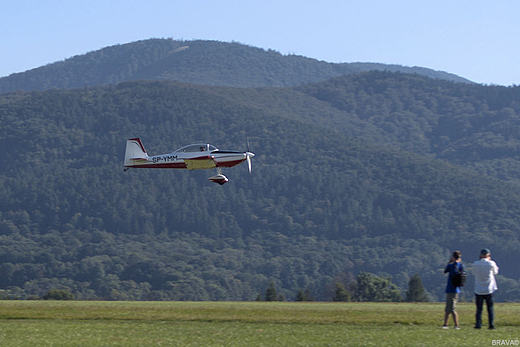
column 249, row 155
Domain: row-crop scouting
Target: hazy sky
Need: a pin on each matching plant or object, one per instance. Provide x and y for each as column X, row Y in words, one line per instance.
column 478, row 40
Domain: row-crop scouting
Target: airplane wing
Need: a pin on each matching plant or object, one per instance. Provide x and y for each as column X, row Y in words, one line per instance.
column 206, row 162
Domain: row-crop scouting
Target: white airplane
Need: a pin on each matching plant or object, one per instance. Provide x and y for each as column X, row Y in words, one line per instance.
column 192, row 157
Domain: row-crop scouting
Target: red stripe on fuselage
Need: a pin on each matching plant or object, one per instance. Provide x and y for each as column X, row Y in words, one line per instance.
column 229, row 163
column 182, row 165
column 161, row 166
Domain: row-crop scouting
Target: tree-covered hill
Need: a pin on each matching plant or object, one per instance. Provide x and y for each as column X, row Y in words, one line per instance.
column 319, row 203
column 201, row 62
column 466, row 124
column 471, row 125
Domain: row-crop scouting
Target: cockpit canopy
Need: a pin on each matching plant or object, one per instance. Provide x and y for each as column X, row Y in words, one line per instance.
column 198, row 147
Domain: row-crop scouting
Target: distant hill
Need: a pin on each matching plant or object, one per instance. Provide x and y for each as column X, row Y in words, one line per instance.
column 321, row 202
column 201, row 62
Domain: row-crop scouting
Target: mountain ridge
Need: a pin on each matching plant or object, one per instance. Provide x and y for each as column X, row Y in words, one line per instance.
column 200, row 62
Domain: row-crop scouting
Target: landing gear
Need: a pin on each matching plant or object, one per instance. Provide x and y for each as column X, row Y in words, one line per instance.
column 219, row 177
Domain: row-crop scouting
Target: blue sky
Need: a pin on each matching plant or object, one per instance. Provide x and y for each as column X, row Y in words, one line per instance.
column 478, row 40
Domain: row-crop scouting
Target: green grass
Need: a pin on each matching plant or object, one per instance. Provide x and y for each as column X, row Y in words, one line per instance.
column 76, row 323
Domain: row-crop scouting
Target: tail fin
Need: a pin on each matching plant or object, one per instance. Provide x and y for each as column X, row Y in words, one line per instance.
column 134, row 151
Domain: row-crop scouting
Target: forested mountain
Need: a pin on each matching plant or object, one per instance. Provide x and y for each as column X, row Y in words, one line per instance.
column 201, row 62
column 471, row 125
column 368, row 172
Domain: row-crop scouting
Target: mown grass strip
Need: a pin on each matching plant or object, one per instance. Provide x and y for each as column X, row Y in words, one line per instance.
column 53, row 323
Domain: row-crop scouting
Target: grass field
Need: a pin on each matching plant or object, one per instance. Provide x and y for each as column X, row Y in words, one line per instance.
column 80, row 323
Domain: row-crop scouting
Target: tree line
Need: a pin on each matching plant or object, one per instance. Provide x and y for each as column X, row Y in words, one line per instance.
column 367, row 287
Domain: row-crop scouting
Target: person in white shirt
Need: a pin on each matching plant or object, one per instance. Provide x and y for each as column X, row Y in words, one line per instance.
column 485, row 270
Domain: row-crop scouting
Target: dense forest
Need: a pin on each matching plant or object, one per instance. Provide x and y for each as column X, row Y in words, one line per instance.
column 469, row 125
column 321, row 204
column 202, row 62
column 361, row 180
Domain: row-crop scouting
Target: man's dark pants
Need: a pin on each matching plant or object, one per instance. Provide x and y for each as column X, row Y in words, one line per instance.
column 489, row 304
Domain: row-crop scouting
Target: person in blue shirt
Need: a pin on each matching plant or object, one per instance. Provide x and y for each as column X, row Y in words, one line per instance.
column 452, row 292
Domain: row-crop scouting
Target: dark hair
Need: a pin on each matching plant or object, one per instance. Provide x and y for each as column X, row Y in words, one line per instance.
column 456, row 255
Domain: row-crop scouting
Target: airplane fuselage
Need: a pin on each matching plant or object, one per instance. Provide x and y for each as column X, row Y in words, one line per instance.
column 193, row 157
column 191, row 162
